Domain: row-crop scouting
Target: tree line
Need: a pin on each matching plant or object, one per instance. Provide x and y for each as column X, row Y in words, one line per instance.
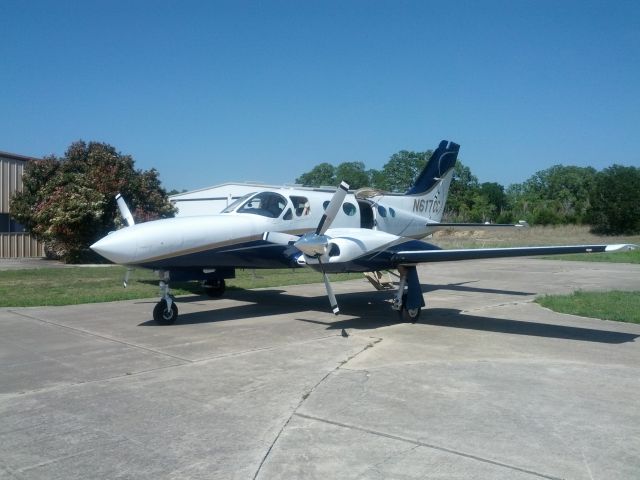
column 608, row 200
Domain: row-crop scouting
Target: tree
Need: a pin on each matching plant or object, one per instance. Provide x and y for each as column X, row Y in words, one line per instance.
column 559, row 194
column 399, row 173
column 494, row 193
column 353, row 173
column 320, row 175
column 615, row 201
column 462, row 192
column 69, row 202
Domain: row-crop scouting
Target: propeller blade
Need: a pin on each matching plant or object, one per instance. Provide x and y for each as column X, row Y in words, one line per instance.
column 332, row 209
column 127, row 274
column 124, row 210
column 330, row 294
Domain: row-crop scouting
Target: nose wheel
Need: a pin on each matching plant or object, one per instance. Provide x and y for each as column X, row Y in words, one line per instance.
column 166, row 311
column 164, row 314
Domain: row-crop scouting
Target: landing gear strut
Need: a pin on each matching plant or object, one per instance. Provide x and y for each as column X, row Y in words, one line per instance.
column 408, row 301
column 166, row 311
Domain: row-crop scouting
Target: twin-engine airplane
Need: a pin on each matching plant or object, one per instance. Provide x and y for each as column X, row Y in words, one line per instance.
column 329, row 231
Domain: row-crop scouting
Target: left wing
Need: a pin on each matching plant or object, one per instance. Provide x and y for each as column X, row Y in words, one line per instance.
column 420, row 256
column 359, row 249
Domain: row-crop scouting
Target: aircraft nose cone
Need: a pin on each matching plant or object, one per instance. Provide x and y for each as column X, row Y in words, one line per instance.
column 115, row 247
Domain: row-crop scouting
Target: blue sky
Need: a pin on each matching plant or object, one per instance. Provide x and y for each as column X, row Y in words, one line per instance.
column 215, row 91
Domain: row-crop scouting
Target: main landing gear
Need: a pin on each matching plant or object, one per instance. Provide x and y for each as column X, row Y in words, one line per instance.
column 166, row 311
column 408, row 301
column 215, row 287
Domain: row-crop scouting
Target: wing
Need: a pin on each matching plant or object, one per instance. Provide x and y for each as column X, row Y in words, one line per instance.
column 422, row 256
column 356, row 249
column 359, row 249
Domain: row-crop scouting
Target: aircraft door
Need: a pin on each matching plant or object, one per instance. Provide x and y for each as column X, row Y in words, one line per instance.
column 367, row 215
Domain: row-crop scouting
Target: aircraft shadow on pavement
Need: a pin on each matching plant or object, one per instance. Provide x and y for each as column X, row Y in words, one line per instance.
column 372, row 309
column 453, row 318
column 464, row 287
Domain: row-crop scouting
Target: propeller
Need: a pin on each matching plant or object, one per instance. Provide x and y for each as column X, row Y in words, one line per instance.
column 327, row 284
column 126, row 215
column 124, row 210
column 127, row 274
column 316, row 244
column 332, row 209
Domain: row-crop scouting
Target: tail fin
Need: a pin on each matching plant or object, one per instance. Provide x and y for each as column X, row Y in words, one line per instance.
column 441, row 161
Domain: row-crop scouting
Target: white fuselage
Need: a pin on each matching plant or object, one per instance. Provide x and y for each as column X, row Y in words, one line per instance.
column 235, row 236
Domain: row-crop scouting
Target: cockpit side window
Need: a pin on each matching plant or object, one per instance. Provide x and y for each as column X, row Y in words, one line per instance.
column 266, row 204
column 301, row 206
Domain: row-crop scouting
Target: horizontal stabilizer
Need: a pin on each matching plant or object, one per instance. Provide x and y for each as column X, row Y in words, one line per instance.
column 474, row 226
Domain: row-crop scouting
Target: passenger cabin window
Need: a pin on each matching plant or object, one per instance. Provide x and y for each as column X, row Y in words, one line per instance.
column 301, row 206
column 266, row 204
column 349, row 209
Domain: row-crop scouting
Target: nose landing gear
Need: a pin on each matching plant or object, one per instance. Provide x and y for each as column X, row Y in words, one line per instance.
column 166, row 311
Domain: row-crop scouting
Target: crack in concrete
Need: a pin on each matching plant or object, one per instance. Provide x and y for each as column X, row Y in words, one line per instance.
column 306, row 395
column 8, row 471
column 36, row 391
column 428, row 445
column 377, row 466
column 102, row 337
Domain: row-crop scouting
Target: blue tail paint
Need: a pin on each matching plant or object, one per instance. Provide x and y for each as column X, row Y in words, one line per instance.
column 441, row 161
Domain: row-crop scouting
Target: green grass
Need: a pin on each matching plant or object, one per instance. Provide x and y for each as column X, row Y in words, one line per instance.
column 615, row 305
column 75, row 285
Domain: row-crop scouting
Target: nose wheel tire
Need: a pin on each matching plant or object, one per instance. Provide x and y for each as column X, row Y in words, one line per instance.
column 163, row 315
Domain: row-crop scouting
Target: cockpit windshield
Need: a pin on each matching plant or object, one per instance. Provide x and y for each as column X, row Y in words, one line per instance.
column 237, row 202
column 267, row 204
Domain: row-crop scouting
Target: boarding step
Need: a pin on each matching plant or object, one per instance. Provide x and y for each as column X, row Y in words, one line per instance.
column 380, row 280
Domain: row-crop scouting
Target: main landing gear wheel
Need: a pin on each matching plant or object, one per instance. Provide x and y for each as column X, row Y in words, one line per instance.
column 408, row 315
column 163, row 315
column 214, row 288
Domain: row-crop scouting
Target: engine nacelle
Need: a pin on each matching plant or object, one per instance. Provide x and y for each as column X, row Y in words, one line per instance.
column 342, row 245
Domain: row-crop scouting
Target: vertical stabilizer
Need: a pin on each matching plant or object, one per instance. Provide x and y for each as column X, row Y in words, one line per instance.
column 441, row 161
column 423, row 204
